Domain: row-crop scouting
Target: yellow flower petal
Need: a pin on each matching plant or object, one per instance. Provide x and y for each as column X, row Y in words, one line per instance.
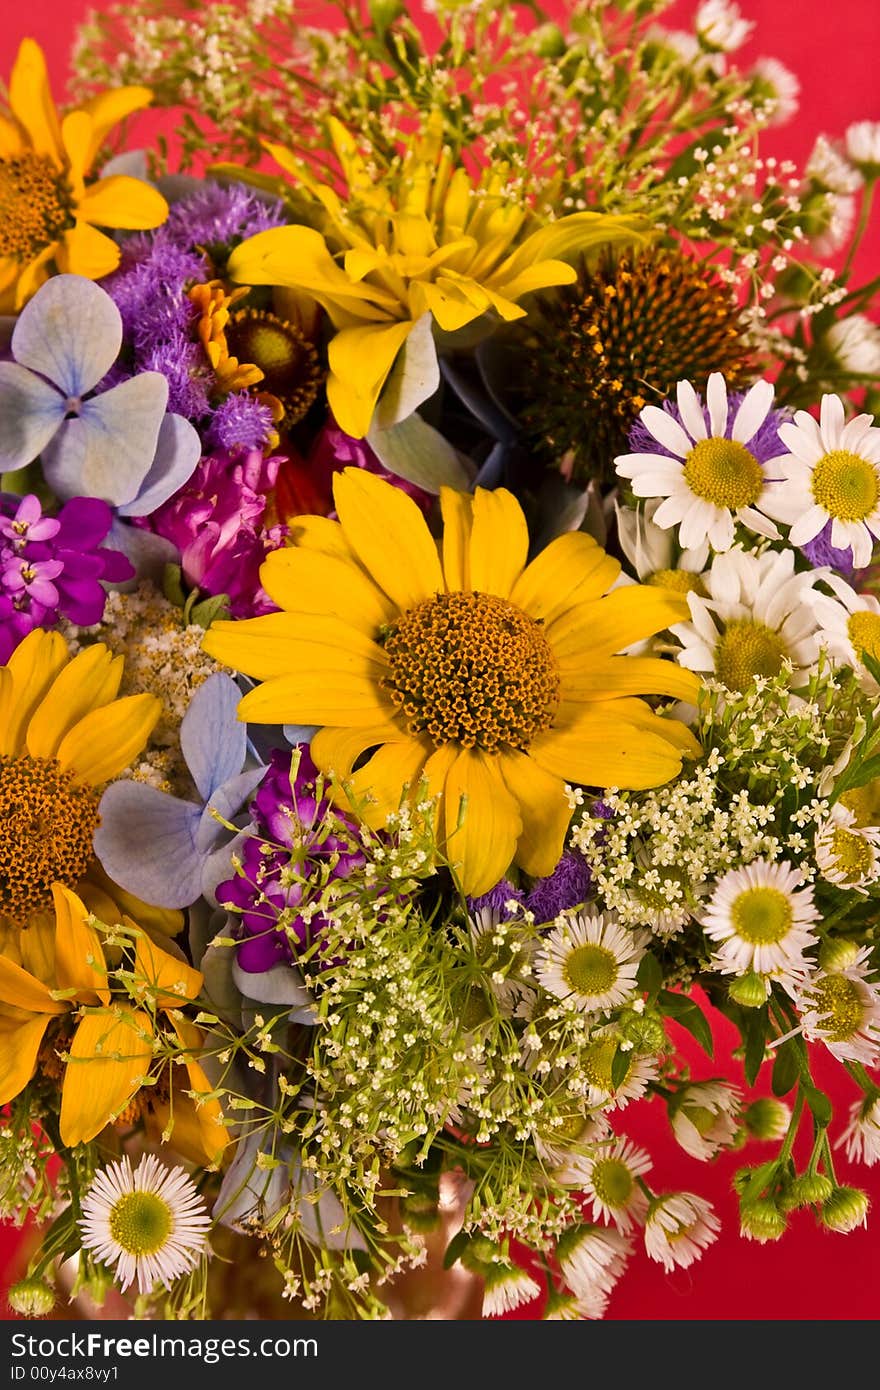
column 571, row 569
column 282, row 644
column 110, row 1058
column 107, row 740
column 316, row 697
column 640, row 715
column 34, row 275
column 77, row 136
column 607, row 625
column 85, row 251
column 79, row 955
column 458, row 515
column 337, row 750
column 626, row 675
column 30, row 99
column 599, row 750
column 19, row 1045
column 88, row 682
column 10, row 139
column 110, row 903
column 482, row 821
column 321, row 535
column 305, row 581
column 33, row 667
column 499, row 542
column 120, row 201
column 107, row 109
column 379, row 787
column 544, row 810
column 360, row 360
column 297, row 257
column 20, row 989
column 164, row 980
column 389, row 535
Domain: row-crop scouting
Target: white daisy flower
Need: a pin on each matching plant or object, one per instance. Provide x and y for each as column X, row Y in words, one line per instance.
column 855, row 343
column 841, row 1008
column 504, row 950
column 754, row 617
column 776, row 90
column 760, row 918
column 506, row 1287
column 652, row 554
column 563, row 1306
column 850, row 627
column 863, row 147
column 608, row 1177
column 862, row 1134
column 846, row 853
column 836, row 224
column 721, row 26
column 590, row 962
column 828, row 167
column 704, row 1117
column 708, row 476
column 596, row 1079
column 680, row 1226
column 592, row 1259
column 579, row 1136
column 831, row 473
column 149, row 1225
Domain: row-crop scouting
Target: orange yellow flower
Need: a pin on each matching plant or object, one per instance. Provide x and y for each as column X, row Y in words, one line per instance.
column 488, row 680
column 49, row 215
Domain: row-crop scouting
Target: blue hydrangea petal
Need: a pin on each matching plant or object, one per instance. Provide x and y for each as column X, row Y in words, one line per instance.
column 227, row 801
column 108, row 449
column 177, row 452
column 283, row 984
column 146, row 843
column 70, row 332
column 31, row 412
column 212, row 739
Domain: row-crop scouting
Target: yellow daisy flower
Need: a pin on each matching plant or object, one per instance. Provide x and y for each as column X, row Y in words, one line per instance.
column 422, row 240
column 492, row 680
column 109, row 1048
column 48, row 215
column 63, row 734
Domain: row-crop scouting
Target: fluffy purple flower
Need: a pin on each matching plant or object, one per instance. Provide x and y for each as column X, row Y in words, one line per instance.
column 296, row 839
column 221, row 214
column 239, row 422
column 217, row 522
column 568, row 886
column 149, row 290
column 53, row 566
column 495, row 901
column 765, row 443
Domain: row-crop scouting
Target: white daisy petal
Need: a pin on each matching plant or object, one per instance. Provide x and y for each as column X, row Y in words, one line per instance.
column 716, row 400
column 691, row 411
column 667, row 431
column 752, row 412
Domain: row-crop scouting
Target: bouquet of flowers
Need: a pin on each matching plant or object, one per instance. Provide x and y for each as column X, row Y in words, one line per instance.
column 440, row 653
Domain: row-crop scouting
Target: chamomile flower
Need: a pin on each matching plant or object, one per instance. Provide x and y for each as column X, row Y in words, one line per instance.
column 679, row 1228
column 720, row 25
column 149, row 1224
column 608, row 1177
column 830, row 168
column 704, row 1117
column 596, row 1078
column 849, row 627
column 707, row 462
column 756, row 615
column 862, row 1134
column 760, row 919
column 841, row 1008
column 776, row 90
column 590, row 961
column 592, row 1259
column 846, row 853
column 855, row 343
column 863, row 147
column 831, row 473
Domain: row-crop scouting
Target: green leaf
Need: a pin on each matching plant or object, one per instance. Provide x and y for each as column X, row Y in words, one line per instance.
column 760, row 1179
column 755, row 1039
column 786, row 1069
column 172, row 585
column 414, row 377
column 685, row 1012
column 417, row 452
column 208, row 610
column 620, row 1064
column 649, row 976
column 454, row 1249
column 819, row 1103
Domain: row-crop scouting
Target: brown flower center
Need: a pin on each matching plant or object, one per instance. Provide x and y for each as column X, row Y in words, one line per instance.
column 36, row 205
column 47, row 821
column 472, row 669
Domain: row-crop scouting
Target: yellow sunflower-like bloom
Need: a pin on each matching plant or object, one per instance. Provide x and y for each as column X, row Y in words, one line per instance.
column 488, row 679
column 108, row 1043
column 49, row 216
column 423, row 240
column 63, row 735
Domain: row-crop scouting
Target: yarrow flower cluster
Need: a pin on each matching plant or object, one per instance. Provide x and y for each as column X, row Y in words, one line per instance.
column 439, row 657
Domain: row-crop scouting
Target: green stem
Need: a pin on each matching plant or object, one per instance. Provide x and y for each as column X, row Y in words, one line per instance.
column 861, row 227
column 794, row 1122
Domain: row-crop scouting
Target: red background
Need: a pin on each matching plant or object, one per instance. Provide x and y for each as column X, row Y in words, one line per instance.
column 810, row 1274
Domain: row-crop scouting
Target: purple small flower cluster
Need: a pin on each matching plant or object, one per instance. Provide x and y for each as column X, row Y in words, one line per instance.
column 53, row 566
column 150, row 291
column 297, row 839
column 217, row 522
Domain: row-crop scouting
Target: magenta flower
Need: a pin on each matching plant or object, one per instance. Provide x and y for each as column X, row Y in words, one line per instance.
column 217, row 521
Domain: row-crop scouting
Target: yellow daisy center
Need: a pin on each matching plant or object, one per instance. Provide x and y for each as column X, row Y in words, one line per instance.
column 596, row 1063
column 140, row 1223
column 701, row 1117
column 864, row 802
column 472, row 669
column 845, row 485
column 590, row 970
column 852, row 853
column 36, row 205
column 762, row 916
column 840, row 1006
column 864, row 633
column 612, row 1182
column 746, row 650
column 724, row 472
column 680, row 581
column 47, row 821
column 289, row 362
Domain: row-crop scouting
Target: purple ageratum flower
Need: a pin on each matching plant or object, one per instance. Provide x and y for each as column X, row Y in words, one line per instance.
column 493, row 906
column 221, row 214
column 568, row 886
column 297, row 838
column 53, row 566
column 239, row 422
column 217, row 523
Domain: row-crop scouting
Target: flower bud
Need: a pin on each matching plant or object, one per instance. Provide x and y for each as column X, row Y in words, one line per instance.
column 750, row 991
column 767, row 1118
column 808, row 1190
column 645, row 1032
column 419, row 1211
column 549, row 41
column 837, row 954
column 761, row 1220
column 845, row 1209
column 383, row 13
column 31, row 1298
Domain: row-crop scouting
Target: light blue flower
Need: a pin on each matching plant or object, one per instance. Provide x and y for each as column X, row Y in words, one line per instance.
column 169, row 851
column 120, row 445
